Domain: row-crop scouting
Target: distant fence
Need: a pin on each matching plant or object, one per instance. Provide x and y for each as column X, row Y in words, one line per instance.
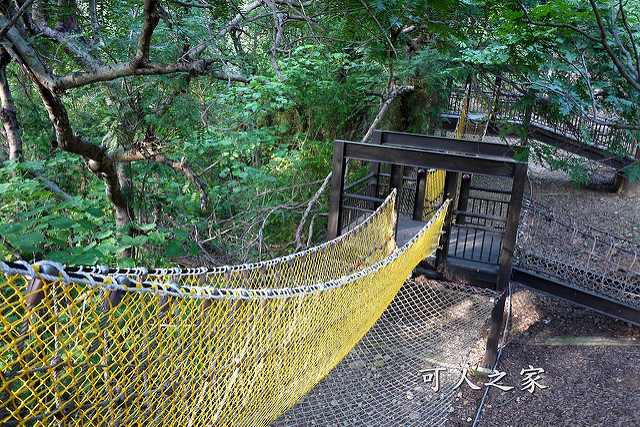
column 556, row 246
column 594, row 131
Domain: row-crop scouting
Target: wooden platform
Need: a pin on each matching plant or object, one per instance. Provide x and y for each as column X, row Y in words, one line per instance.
column 467, row 244
column 407, row 228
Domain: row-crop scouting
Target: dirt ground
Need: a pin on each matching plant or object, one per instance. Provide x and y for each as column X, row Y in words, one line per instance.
column 591, row 362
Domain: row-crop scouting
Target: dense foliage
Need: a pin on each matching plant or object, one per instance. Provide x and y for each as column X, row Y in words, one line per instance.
column 210, row 125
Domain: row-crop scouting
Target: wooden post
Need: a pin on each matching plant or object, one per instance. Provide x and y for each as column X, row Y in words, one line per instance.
column 526, row 120
column 395, row 181
column 491, row 124
column 374, row 169
column 337, row 187
column 450, row 187
column 506, row 262
column 624, row 186
column 421, row 187
column 618, row 182
column 463, row 199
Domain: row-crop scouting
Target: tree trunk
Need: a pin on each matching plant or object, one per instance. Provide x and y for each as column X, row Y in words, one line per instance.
column 8, row 114
column 41, row 10
column 626, row 188
column 67, row 21
column 95, row 157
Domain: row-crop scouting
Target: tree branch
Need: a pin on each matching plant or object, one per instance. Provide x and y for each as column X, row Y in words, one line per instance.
column 294, row 3
column 602, row 40
column 587, row 78
column 366, row 6
column 50, row 185
column 310, row 204
column 383, row 110
column 8, row 116
column 95, row 23
column 616, row 38
column 277, row 39
column 25, row 54
column 15, row 18
column 400, row 90
column 74, row 49
column 198, row 49
column 204, row 5
column 151, row 19
column 607, row 48
column 555, row 25
column 8, row 246
column 182, row 166
column 115, row 71
column 94, row 155
column 632, row 39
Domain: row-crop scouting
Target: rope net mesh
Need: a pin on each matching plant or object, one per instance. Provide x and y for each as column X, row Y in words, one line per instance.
column 380, row 382
column 556, row 246
column 229, row 346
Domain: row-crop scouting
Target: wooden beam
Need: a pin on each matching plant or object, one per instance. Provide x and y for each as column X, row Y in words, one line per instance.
column 478, row 164
column 374, row 168
column 440, row 143
column 395, row 181
column 581, row 297
column 463, row 199
column 418, row 200
column 450, row 187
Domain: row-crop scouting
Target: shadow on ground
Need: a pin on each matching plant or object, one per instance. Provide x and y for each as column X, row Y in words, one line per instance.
column 591, row 369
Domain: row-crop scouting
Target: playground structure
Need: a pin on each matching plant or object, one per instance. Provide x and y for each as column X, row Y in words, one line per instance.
column 233, row 345
column 554, row 253
column 484, row 259
column 240, row 345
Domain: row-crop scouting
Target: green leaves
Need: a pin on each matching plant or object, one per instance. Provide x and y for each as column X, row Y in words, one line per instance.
column 8, row 229
column 174, row 249
column 28, row 242
column 74, row 232
column 62, row 223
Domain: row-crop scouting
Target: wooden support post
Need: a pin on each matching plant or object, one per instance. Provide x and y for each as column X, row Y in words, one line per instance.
column 395, row 181
column 492, row 123
column 421, row 187
column 463, row 199
column 619, row 182
column 337, row 187
column 450, row 187
column 374, row 181
column 506, row 262
column 528, row 113
column 624, row 186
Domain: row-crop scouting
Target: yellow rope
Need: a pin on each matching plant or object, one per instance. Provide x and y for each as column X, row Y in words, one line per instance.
column 229, row 346
column 462, row 120
column 434, row 192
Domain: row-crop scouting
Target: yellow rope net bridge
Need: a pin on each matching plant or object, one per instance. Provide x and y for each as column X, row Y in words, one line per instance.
column 236, row 345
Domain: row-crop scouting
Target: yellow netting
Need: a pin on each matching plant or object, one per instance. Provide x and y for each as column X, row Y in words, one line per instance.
column 462, row 120
column 434, row 192
column 230, row 346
